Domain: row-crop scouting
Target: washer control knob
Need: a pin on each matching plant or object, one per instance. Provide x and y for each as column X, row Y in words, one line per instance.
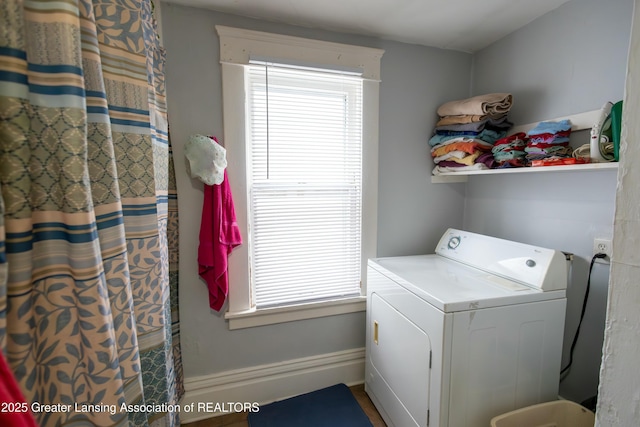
column 530, row 263
column 454, row 242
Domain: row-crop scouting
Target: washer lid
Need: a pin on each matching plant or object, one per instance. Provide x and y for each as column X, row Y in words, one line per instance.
column 452, row 286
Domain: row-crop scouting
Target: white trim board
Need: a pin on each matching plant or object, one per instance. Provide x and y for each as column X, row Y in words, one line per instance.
column 236, row 47
column 579, row 121
column 274, row 381
column 290, row 313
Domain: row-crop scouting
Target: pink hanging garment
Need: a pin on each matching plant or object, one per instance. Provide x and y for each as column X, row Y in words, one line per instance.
column 15, row 410
column 219, row 234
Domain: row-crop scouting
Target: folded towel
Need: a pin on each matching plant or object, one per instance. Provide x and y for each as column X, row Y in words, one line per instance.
column 469, row 133
column 487, row 135
column 441, row 139
column 466, row 160
column 488, row 123
column 491, row 103
column 467, row 147
column 462, row 119
column 517, row 139
column 482, row 162
column 457, row 140
column 452, row 154
column 462, row 127
column 510, row 155
column 510, row 163
column 458, row 168
column 550, row 127
column 548, row 149
column 551, row 141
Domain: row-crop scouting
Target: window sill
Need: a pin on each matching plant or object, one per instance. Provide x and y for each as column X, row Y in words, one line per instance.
column 270, row 316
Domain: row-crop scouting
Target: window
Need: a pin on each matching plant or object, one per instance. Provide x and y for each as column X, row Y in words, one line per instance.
column 300, row 128
column 305, row 184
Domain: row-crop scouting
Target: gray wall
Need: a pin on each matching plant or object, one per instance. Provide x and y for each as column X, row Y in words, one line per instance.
column 412, row 212
column 569, row 61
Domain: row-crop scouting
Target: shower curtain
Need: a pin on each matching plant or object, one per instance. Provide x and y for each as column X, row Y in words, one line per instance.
column 88, row 231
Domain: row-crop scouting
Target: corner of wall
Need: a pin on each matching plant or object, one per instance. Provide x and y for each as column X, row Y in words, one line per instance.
column 472, row 75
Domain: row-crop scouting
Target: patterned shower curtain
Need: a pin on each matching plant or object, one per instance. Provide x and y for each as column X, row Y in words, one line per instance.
column 88, row 231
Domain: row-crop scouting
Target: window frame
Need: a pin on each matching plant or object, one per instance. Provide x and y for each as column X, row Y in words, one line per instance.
column 237, row 47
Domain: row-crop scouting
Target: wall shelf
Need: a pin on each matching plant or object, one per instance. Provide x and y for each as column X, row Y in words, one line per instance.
column 451, row 177
column 579, row 121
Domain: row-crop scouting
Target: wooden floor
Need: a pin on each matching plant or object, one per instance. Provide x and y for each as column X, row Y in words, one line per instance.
column 240, row 419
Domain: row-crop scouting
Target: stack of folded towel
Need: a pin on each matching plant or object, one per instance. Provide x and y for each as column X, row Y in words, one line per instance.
column 467, row 129
column 508, row 152
column 549, row 140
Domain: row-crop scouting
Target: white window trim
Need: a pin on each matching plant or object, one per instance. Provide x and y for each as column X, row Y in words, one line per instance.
column 236, row 48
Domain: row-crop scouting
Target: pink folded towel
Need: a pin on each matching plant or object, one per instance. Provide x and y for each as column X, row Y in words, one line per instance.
column 491, row 104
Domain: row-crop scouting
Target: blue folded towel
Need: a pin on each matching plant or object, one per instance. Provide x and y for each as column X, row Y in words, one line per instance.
column 550, row 127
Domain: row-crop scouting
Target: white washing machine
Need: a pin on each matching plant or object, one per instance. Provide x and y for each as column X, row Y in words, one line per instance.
column 470, row 332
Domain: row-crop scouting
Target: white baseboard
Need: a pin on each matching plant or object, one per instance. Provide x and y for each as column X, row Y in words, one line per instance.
column 213, row 395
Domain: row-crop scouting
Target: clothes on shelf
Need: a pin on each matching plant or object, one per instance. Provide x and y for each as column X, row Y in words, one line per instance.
column 471, row 134
column 509, row 151
column 467, row 131
column 549, row 140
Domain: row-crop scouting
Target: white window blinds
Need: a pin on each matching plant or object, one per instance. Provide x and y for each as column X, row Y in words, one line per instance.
column 305, row 184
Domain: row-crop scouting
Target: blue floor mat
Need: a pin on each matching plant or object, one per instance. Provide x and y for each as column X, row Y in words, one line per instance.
column 333, row 406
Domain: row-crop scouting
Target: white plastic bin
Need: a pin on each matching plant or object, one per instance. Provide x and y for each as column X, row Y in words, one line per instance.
column 559, row 413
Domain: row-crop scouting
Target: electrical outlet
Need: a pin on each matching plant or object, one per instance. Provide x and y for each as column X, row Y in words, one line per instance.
column 602, row 246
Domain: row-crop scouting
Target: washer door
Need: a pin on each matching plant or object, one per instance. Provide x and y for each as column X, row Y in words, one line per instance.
column 400, row 353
